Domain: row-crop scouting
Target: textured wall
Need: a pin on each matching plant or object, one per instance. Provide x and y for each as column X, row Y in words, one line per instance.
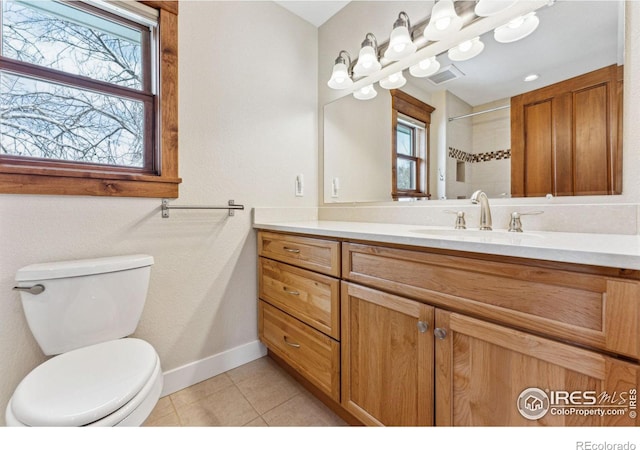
column 248, row 125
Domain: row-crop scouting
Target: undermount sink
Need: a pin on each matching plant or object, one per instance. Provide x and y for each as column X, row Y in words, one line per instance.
column 479, row 235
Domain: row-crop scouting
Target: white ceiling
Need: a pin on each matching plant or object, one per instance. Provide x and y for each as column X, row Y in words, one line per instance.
column 314, row 12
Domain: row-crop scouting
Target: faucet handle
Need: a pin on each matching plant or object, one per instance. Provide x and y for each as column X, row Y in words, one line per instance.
column 515, row 225
column 460, row 222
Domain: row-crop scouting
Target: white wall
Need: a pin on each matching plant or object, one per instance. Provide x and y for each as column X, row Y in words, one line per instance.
column 248, row 125
column 352, row 132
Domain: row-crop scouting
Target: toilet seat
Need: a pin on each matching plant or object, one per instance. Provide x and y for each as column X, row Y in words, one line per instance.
column 100, row 385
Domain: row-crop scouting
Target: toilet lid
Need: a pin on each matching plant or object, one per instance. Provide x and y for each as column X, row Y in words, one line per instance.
column 84, row 385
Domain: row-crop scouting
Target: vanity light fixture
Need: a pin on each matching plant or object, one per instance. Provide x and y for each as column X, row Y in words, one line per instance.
column 443, row 21
column 466, row 50
column 340, row 77
column 368, row 57
column 365, row 93
column 516, row 29
column 393, row 81
column 400, row 42
column 485, row 8
column 425, row 68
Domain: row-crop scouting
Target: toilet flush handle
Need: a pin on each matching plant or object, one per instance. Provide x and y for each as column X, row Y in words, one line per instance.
column 35, row 289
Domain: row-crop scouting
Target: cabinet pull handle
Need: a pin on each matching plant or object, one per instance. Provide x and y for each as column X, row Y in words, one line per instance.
column 440, row 333
column 291, row 250
column 423, row 327
column 289, row 291
column 291, row 344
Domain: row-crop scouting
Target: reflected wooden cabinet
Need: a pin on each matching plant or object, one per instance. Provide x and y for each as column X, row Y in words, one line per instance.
column 387, row 358
column 566, row 139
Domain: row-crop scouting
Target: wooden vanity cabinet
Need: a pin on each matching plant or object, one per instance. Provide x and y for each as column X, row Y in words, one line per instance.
column 482, row 369
column 419, row 337
column 498, row 328
column 387, row 358
column 299, row 305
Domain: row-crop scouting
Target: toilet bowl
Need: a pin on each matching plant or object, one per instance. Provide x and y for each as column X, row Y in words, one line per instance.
column 83, row 315
column 115, row 383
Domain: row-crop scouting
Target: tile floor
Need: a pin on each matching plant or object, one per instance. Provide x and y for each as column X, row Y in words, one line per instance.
column 259, row 394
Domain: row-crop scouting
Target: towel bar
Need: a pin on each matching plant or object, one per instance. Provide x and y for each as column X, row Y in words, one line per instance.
column 166, row 207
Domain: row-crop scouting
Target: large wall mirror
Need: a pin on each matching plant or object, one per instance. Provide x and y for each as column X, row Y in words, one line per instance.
column 470, row 130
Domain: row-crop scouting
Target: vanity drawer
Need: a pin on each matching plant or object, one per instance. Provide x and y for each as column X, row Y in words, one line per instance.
column 314, row 355
column 595, row 310
column 319, row 255
column 308, row 296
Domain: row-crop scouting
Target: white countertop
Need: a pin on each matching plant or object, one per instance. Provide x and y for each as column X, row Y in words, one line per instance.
column 609, row 250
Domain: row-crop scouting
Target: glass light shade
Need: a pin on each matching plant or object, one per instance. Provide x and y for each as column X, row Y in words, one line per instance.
column 340, row 78
column 367, row 62
column 518, row 28
column 365, row 93
column 400, row 44
column 443, row 21
column 425, row 68
column 393, row 81
column 466, row 50
column 485, row 8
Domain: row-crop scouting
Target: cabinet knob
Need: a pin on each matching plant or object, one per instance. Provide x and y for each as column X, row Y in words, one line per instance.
column 423, row 327
column 440, row 333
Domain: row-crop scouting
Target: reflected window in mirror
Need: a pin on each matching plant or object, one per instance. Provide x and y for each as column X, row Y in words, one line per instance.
column 410, row 147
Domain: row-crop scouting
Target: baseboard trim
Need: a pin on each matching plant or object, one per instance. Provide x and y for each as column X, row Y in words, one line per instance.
column 197, row 371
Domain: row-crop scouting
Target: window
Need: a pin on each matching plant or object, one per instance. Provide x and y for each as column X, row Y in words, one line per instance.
column 83, row 109
column 410, row 154
column 410, row 168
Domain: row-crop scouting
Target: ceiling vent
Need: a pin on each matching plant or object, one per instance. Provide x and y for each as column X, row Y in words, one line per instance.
column 447, row 74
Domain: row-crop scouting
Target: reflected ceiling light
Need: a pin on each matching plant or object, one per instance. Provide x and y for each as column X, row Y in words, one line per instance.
column 485, row 8
column 340, row 77
column 466, row 50
column 400, row 43
column 425, row 67
column 443, row 21
column 516, row 29
column 368, row 58
column 393, row 81
column 532, row 77
column 365, row 93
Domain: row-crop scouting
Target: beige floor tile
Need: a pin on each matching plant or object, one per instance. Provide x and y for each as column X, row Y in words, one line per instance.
column 302, row 411
column 168, row 420
column 226, row 407
column 254, row 369
column 201, row 390
column 164, row 408
column 264, row 384
column 259, row 422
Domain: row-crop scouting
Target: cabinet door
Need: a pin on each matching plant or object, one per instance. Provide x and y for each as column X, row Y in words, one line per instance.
column 387, row 358
column 489, row 375
column 564, row 137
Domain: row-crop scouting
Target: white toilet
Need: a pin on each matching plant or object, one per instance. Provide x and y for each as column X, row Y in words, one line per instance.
column 82, row 311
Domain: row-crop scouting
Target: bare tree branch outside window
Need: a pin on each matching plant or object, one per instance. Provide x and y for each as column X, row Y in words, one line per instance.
column 46, row 119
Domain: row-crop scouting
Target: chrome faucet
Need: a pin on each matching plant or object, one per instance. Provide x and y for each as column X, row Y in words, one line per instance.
column 485, row 211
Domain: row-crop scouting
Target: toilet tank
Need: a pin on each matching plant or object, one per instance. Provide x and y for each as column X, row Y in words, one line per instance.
column 84, row 301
